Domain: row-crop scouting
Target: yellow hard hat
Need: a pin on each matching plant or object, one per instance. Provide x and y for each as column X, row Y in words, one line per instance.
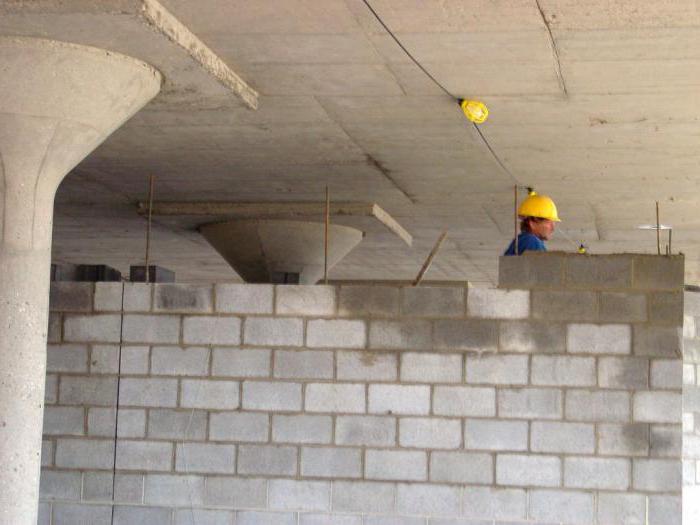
column 539, row 206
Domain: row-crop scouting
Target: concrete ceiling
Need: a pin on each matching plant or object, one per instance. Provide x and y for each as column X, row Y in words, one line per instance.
column 595, row 103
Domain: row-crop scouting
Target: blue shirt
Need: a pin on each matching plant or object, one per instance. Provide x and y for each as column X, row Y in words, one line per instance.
column 526, row 241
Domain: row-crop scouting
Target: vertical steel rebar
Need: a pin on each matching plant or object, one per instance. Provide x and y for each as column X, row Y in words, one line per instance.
column 148, row 228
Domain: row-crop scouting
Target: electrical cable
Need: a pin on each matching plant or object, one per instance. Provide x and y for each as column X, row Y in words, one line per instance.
column 116, row 404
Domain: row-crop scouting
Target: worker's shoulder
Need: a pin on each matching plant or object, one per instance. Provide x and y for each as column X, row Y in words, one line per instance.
column 531, row 241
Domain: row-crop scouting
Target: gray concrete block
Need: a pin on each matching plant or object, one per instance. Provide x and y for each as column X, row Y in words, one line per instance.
column 369, row 301
column 630, row 439
column 623, row 372
column 689, row 327
column 652, row 272
column 562, row 506
column 598, row 406
column 244, row 298
column 689, row 375
column 563, row 370
column 464, row 401
column 239, row 426
column 666, row 307
column 174, row 490
column 212, row 394
column 237, row 362
column 273, row 396
column 597, row 473
column 602, row 272
column 399, row 399
column 95, row 391
column 336, row 333
column 420, row 367
column 623, row 307
column 71, row 296
column 423, row 499
column 206, row 458
column 224, row 491
column 308, row 364
column 621, row 508
column 657, row 475
column 47, row 447
column 125, row 515
column 302, row 429
column 84, row 453
column 667, row 441
column 532, row 271
column 101, row 422
column 108, row 297
column 400, row 335
column 667, row 373
column 135, row 359
column 60, row 485
column 104, row 359
column 363, row 496
column 523, row 470
column 564, row 306
column 400, row 465
column 599, row 339
column 532, row 337
column 425, row 301
column 657, row 407
column 335, row 397
column 394, row 520
column 44, row 513
column 98, row 328
column 137, row 297
column 148, row 392
column 67, row 358
column 164, row 329
column 331, row 462
column 187, row 298
column 177, row 424
column 373, row 431
column 144, row 455
column 430, row 433
column 461, row 467
column 365, row 365
column 267, row 460
column 468, row 334
column 81, row 514
column 98, row 486
column 179, row 361
column 55, row 328
column 495, row 434
column 529, row 403
column 210, row 330
column 203, row 517
column 317, row 300
column 494, row 503
column 290, row 494
column 498, row 304
column 246, row 517
column 272, row 331
column 51, row 389
column 668, row 509
column 498, row 369
column 315, row 518
column 562, row 438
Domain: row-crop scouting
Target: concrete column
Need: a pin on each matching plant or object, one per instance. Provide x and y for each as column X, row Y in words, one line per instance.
column 58, row 102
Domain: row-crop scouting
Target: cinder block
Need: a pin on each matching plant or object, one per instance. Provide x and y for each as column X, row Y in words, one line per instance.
column 194, row 298
column 529, row 403
column 135, row 359
column 98, row 486
column 212, row 394
column 667, row 373
column 179, row 361
column 563, row 370
column 535, row 270
column 562, row 506
column 224, row 491
column 399, row 399
column 461, row 467
column 55, row 327
column 668, row 510
column 51, row 389
column 469, row 334
column 58, row 485
column 70, row 296
column 132, row 422
column 422, row 499
column 144, row 455
column 309, row 364
column 597, row 473
column 621, row 508
column 631, row 439
column 400, row 335
column 691, row 303
column 598, row 406
column 148, row 392
column 666, row 307
column 151, row 329
column 657, row 407
column 401, row 465
column 44, row 513
column 237, row 362
column 263, row 331
column 137, row 297
column 464, row 401
column 652, row 272
column 689, row 375
column 562, row 438
column 365, row 365
column 623, row 372
column 495, row 434
column 658, row 341
column 691, row 350
column 244, row 298
column 336, row 333
column 369, row 301
column 174, row 490
column 315, row 518
column 267, row 460
column 599, row 339
column 335, row 397
column 108, row 297
column 138, row 515
column 302, row 429
column 97, row 328
column 373, row 431
column 602, row 272
column 498, row 369
column 67, row 358
column 177, row 424
column 314, row 300
column 423, row 367
column 273, row 396
column 72, row 513
column 494, row 503
column 95, row 391
column 238, row 426
column 657, row 475
column 498, row 304
column 203, row 517
column 430, row 433
column 265, row 518
column 564, row 305
column 363, row 496
column 522, row 470
column 425, row 301
column 532, row 337
column 689, row 327
column 207, row 458
column 47, row 453
column 209, row 330
column 665, row 441
column 394, row 520
column 104, row 359
column 331, row 462
column 96, row 454
column 623, row 307
column 289, row 494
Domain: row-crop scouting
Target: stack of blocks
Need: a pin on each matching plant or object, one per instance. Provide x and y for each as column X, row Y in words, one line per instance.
column 555, row 399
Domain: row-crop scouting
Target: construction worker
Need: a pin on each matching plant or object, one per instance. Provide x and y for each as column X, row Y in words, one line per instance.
column 538, row 214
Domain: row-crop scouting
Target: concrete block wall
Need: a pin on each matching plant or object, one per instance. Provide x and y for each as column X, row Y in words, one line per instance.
column 691, row 408
column 255, row 404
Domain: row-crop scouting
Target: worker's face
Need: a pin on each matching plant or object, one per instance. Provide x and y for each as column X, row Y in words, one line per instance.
column 542, row 228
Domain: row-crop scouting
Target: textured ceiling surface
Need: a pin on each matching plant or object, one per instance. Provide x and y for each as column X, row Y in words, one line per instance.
column 595, row 103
